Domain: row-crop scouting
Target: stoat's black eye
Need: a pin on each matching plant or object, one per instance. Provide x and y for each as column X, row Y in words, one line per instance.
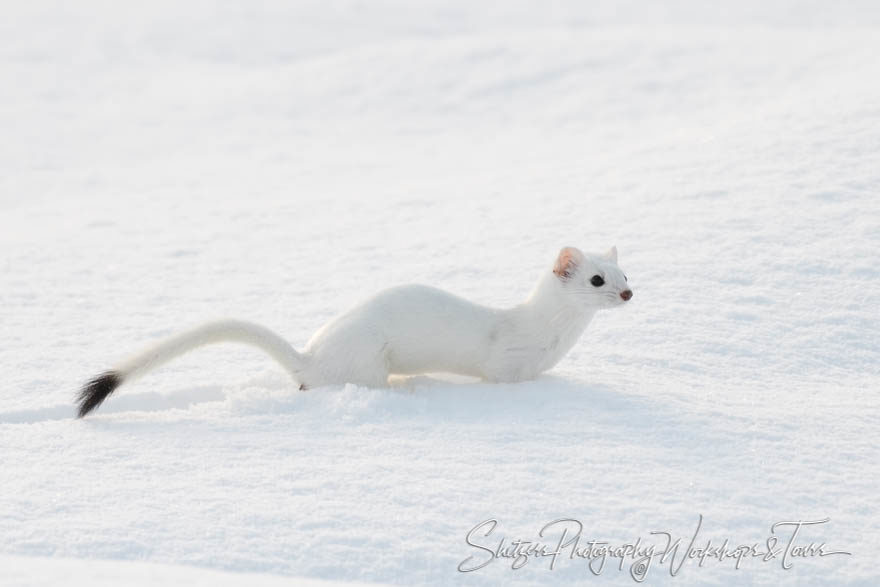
column 597, row 281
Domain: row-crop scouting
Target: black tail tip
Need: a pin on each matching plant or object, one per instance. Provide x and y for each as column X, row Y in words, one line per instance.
column 96, row 391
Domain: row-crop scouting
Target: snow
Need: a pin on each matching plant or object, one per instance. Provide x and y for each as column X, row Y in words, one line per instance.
column 38, row 572
column 168, row 163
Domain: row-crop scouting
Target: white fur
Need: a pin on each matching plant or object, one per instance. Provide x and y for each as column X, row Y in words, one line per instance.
column 416, row 329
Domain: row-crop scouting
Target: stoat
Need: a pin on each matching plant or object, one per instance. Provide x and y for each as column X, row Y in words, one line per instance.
column 415, row 329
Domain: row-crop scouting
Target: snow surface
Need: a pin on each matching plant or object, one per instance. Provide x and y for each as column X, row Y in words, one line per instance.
column 165, row 163
column 39, row 572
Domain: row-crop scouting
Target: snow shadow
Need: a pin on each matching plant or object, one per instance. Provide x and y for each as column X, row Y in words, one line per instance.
column 139, row 402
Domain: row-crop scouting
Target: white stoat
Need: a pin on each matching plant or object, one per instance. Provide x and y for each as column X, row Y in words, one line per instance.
column 415, row 329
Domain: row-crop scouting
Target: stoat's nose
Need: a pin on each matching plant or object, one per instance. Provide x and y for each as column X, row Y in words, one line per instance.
column 626, row 294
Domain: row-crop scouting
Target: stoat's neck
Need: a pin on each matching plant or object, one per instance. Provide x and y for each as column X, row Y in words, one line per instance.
column 551, row 303
column 549, row 322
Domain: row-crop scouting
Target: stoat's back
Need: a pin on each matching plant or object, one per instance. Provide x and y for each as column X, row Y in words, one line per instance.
column 418, row 328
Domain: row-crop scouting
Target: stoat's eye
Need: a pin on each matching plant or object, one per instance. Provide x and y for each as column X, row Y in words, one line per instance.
column 624, row 277
column 597, row 281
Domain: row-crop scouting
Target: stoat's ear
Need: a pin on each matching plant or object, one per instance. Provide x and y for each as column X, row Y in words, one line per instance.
column 612, row 254
column 568, row 260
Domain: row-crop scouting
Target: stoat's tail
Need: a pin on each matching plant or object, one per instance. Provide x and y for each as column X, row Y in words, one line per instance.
column 96, row 391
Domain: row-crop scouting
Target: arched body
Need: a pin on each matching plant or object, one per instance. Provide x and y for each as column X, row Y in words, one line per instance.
column 415, row 329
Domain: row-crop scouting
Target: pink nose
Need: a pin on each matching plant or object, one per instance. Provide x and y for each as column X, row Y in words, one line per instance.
column 626, row 294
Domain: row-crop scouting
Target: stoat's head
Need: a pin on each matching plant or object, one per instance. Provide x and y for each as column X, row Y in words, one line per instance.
column 594, row 280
